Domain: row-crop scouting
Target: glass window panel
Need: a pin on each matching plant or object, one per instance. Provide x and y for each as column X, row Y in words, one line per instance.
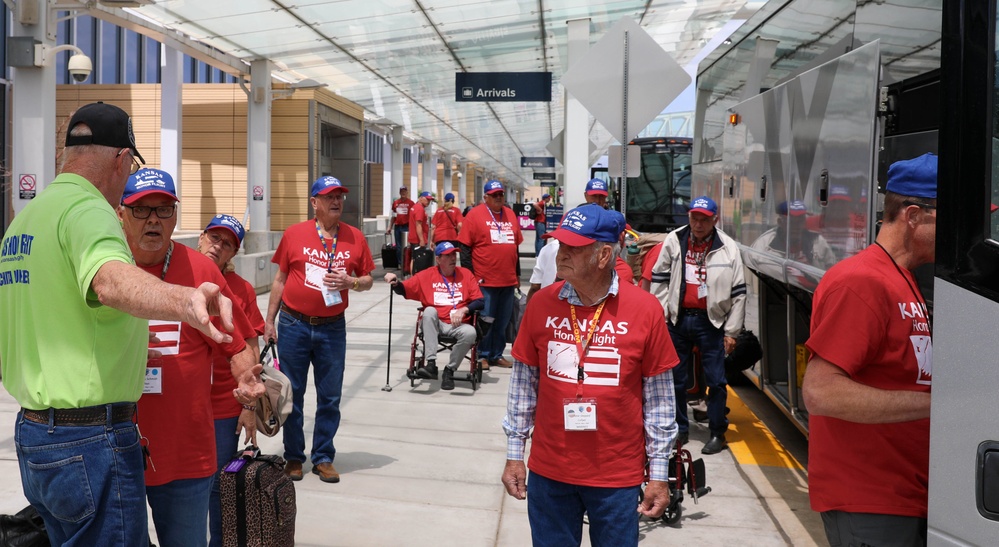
column 131, row 58
column 107, row 67
column 150, row 60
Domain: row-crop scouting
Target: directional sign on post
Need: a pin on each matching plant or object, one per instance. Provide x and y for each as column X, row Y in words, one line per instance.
column 544, row 176
column 541, row 161
column 597, row 79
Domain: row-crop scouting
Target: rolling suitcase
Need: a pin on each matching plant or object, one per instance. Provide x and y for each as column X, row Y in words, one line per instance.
column 258, row 501
column 423, row 258
column 389, row 257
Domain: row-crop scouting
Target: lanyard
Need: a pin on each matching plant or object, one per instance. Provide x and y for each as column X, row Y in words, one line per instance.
column 582, row 346
column 495, row 222
column 166, row 261
column 915, row 294
column 701, row 257
column 449, row 286
column 330, row 252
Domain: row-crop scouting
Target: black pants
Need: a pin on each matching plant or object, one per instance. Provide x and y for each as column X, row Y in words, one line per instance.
column 872, row 530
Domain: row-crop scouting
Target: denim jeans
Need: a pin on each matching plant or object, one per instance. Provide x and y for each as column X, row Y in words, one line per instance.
column 226, row 444
column 180, row 511
column 325, row 347
column 499, row 306
column 401, row 235
column 540, row 229
column 555, row 510
column 697, row 330
column 85, row 481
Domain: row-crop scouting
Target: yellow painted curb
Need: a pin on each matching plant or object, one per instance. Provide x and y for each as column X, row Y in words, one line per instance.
column 751, row 442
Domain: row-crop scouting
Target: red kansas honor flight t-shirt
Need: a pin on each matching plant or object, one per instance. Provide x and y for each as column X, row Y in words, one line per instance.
column 630, row 343
column 301, row 256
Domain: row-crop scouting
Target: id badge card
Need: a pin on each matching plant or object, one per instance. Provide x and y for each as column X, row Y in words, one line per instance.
column 331, row 296
column 154, row 380
column 498, row 236
column 702, row 290
column 580, row 414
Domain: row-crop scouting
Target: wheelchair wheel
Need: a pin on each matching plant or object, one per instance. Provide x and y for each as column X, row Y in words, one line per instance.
column 673, row 514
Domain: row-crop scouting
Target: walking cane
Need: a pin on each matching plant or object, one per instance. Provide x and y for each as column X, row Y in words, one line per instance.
column 388, row 356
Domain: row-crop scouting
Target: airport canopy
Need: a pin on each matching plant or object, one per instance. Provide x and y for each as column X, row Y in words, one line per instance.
column 398, row 58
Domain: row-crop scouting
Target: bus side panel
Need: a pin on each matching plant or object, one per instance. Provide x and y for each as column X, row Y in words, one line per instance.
column 964, row 413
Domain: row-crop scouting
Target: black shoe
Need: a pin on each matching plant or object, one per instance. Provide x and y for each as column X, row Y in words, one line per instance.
column 682, row 438
column 715, row 445
column 700, row 416
column 447, row 381
column 428, row 372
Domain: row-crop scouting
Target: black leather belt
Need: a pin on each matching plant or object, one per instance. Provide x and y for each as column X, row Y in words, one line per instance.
column 694, row 311
column 310, row 319
column 86, row 416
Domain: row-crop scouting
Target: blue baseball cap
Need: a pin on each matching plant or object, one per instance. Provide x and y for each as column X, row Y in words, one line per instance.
column 146, row 182
column 915, row 178
column 704, row 205
column 428, row 195
column 794, row 208
column 493, row 186
column 229, row 223
column 596, row 187
column 327, row 184
column 445, row 247
column 449, row 197
column 589, row 223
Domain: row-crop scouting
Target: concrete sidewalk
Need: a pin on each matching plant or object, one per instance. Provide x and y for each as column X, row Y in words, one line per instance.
column 421, row 466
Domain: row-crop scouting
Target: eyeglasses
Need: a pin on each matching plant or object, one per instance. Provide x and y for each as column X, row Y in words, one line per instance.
column 216, row 239
column 134, row 168
column 497, row 194
column 926, row 206
column 334, row 196
column 142, row 212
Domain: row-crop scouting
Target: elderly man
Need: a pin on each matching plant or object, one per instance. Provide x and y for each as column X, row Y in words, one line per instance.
column 319, row 262
column 596, row 192
column 491, row 236
column 540, row 218
column 419, row 221
column 175, row 411
column 867, row 385
column 400, row 221
column 69, row 261
column 449, row 294
column 699, row 280
column 592, row 377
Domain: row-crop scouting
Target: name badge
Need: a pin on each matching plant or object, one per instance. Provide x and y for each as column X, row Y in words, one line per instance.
column 702, row 290
column 331, row 297
column 154, row 380
column 580, row 415
column 499, row 236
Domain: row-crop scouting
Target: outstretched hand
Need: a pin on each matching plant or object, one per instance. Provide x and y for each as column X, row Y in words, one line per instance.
column 203, row 303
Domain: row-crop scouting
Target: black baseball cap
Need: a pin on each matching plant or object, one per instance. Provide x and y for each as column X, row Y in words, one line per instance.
column 109, row 126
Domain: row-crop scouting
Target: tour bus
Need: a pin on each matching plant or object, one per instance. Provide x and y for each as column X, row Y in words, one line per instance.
column 797, row 121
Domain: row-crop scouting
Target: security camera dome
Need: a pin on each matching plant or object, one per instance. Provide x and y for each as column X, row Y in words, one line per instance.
column 79, row 67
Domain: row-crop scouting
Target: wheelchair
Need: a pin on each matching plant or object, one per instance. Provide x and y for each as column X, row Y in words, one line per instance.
column 417, row 352
column 686, row 474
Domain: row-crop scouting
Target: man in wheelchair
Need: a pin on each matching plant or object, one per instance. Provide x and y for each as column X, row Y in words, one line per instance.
column 450, row 294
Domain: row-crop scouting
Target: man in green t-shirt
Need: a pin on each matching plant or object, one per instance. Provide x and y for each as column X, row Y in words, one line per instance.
column 73, row 351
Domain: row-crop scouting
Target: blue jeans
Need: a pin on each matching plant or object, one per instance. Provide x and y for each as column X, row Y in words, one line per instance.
column 540, row 229
column 401, row 236
column 226, row 444
column 180, row 511
column 499, row 306
column 555, row 510
column 325, row 346
column 697, row 330
column 85, row 481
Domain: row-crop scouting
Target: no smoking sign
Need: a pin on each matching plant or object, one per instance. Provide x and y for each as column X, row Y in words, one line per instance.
column 26, row 185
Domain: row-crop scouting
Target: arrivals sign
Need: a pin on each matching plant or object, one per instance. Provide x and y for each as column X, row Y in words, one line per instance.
column 503, row 86
column 536, row 162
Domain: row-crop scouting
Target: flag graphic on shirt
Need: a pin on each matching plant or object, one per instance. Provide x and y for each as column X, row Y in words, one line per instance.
column 602, row 366
column 169, row 334
column 923, row 348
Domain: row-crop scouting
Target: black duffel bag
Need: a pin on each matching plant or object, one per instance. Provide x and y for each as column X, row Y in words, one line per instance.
column 746, row 353
column 25, row 529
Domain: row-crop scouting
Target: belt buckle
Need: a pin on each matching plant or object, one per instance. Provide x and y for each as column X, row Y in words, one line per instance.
column 315, row 321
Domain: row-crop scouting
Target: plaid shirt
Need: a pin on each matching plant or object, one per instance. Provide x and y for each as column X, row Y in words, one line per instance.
column 659, row 405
